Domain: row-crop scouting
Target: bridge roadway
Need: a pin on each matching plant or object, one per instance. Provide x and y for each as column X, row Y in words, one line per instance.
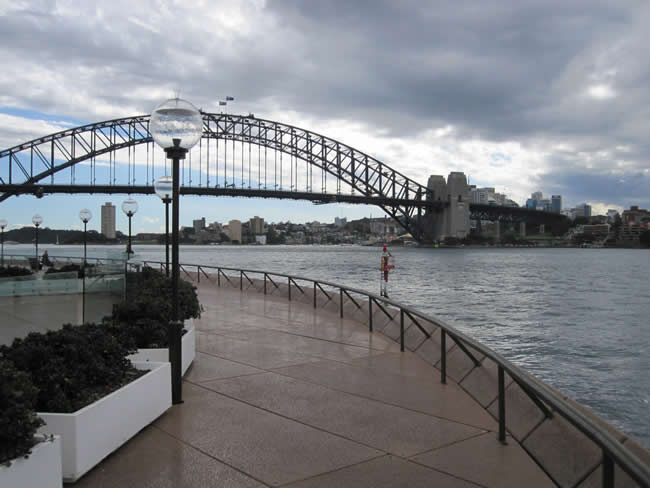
column 283, row 394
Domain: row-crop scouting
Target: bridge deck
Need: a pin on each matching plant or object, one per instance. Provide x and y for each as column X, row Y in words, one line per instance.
column 281, row 394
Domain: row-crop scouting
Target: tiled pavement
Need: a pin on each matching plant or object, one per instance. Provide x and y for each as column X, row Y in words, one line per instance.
column 282, row 395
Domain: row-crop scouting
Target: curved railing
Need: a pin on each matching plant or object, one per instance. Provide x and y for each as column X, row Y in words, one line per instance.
column 614, row 453
column 541, row 394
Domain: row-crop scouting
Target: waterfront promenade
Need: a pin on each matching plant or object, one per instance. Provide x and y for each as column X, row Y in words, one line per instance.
column 282, row 394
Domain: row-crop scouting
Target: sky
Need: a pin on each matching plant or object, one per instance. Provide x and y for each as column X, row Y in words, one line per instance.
column 523, row 96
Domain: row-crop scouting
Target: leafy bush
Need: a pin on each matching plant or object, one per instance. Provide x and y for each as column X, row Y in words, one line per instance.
column 18, row 420
column 72, row 367
column 8, row 271
column 142, row 320
column 68, row 268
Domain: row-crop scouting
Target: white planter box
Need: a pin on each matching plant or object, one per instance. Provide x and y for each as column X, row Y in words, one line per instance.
column 161, row 355
column 42, row 468
column 92, row 433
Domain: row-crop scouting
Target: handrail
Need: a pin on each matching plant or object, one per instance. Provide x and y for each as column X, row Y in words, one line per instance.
column 613, row 450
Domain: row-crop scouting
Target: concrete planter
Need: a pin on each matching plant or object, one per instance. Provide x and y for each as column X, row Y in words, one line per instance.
column 42, row 468
column 92, row 433
column 161, row 355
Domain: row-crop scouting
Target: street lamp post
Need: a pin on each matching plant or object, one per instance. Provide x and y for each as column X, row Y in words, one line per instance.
column 129, row 207
column 37, row 220
column 3, row 224
column 85, row 215
column 176, row 125
column 163, row 188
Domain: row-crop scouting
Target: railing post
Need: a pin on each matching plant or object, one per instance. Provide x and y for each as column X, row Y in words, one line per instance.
column 443, row 356
column 608, row 471
column 314, row 294
column 289, row 285
column 198, row 274
column 218, row 276
column 502, row 406
column 341, row 302
column 370, row 314
column 265, row 283
column 401, row 330
column 241, row 280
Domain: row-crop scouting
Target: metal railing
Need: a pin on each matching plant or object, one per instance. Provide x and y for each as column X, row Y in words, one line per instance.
column 614, row 453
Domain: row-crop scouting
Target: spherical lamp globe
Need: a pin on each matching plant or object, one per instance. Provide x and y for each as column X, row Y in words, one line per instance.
column 37, row 220
column 85, row 215
column 176, row 120
column 163, row 187
column 129, row 207
column 3, row 223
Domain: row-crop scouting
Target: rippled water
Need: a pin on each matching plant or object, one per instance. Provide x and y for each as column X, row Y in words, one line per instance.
column 577, row 318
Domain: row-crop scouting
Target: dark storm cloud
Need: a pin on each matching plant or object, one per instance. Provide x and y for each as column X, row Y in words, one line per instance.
column 487, row 67
column 494, row 70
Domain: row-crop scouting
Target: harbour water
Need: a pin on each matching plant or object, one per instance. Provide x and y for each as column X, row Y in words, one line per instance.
column 577, row 318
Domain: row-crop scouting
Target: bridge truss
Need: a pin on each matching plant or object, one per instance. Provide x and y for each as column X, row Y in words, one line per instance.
column 236, row 156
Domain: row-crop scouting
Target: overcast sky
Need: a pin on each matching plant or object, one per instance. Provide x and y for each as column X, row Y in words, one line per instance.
column 523, row 96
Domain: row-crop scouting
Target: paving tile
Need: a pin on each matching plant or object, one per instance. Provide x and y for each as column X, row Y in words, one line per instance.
column 268, row 447
column 522, row 414
column 304, row 345
column 484, row 460
column 414, row 337
column 483, row 383
column 375, row 424
column 155, row 459
column 459, row 363
column 431, row 397
column 566, row 454
column 429, row 350
column 257, row 355
column 398, row 363
column 207, row 367
column 384, row 472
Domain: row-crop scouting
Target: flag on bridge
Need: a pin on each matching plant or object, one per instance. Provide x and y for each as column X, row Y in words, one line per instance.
column 230, row 99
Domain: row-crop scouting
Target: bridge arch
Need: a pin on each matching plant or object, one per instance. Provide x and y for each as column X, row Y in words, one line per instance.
column 31, row 166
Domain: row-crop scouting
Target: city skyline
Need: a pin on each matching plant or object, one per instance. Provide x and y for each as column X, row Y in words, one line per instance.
column 531, row 108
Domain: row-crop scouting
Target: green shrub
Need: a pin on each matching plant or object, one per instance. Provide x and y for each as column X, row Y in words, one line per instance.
column 72, row 367
column 142, row 320
column 18, row 420
column 68, row 268
column 8, row 271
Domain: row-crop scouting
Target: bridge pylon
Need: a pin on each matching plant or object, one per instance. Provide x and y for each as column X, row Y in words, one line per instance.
column 451, row 220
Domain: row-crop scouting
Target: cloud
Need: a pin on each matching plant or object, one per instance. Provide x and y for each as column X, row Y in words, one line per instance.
column 551, row 86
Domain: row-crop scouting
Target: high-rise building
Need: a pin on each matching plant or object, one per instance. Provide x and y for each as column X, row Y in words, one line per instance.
column 556, row 203
column 537, row 196
column 583, row 210
column 198, row 224
column 256, row 226
column 234, row 230
column 108, row 220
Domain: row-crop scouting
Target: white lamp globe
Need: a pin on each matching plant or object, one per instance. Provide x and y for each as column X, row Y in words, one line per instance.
column 3, row 223
column 37, row 220
column 129, row 207
column 163, row 187
column 176, row 119
column 85, row 215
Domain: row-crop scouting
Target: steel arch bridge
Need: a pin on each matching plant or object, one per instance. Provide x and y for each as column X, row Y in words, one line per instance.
column 237, row 155
column 287, row 162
